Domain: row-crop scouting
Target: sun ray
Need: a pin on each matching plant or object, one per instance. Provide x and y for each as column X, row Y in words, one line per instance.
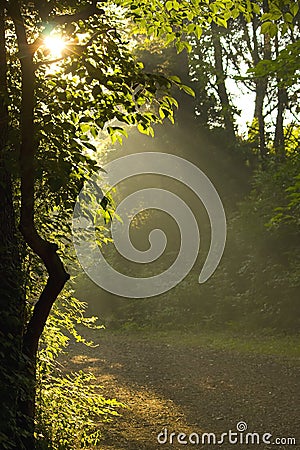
column 55, row 45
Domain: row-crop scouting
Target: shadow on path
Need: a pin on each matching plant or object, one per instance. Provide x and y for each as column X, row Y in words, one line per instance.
column 191, row 389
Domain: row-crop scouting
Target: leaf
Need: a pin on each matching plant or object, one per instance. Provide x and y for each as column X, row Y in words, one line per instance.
column 270, row 28
column 179, row 46
column 288, row 18
column 89, row 145
column 188, row 90
column 221, row 22
column 174, row 78
column 169, row 38
column 85, row 127
column 273, row 30
column 188, row 46
column 176, row 5
column 94, row 132
column 169, row 5
column 294, row 8
column 198, row 31
column 145, row 130
column 256, row 8
column 265, row 27
column 235, row 13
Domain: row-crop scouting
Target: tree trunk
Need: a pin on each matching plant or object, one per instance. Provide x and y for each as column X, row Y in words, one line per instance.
column 11, row 314
column 260, row 93
column 20, row 346
column 261, row 83
column 281, row 102
column 222, row 91
column 11, row 297
column 279, row 131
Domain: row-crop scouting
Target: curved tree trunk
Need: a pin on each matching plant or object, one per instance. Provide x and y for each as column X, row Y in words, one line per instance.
column 20, row 349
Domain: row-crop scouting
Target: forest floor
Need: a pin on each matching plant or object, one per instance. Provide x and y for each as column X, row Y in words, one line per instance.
column 189, row 388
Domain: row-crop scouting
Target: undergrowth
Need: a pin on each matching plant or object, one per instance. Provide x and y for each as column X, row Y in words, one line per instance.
column 70, row 407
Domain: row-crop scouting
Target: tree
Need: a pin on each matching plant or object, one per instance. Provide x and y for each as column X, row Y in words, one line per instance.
column 100, row 76
column 279, row 26
column 222, row 91
column 51, row 106
column 12, row 302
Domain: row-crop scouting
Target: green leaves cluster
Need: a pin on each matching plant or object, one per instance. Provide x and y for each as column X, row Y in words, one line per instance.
column 280, row 16
column 286, row 66
column 172, row 20
column 291, row 212
column 70, row 406
column 70, row 410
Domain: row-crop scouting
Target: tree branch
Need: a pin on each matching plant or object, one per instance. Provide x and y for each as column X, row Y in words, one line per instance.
column 49, row 61
column 45, row 10
column 84, row 14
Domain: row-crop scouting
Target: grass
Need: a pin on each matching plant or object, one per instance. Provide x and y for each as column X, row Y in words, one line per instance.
column 264, row 344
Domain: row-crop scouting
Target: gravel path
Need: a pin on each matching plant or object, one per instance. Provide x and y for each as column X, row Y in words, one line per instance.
column 193, row 390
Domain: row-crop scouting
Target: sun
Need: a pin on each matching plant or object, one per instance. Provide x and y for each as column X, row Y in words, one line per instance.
column 55, row 45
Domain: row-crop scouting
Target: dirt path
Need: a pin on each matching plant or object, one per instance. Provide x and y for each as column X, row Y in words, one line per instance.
column 191, row 389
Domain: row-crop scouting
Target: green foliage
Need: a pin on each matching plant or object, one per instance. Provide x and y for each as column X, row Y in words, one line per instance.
column 202, row 68
column 70, row 412
column 268, row 56
column 280, row 16
column 289, row 210
column 286, row 66
column 97, row 85
column 172, row 20
column 69, row 406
